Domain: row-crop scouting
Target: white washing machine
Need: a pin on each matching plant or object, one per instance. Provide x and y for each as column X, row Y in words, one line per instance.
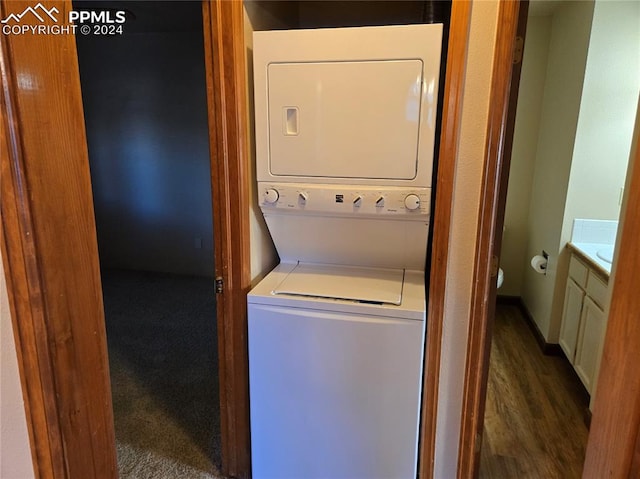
column 345, row 122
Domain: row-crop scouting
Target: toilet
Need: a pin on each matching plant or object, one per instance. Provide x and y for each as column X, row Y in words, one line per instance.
column 500, row 277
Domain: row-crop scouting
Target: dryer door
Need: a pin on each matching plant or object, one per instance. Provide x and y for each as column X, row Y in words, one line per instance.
column 355, row 119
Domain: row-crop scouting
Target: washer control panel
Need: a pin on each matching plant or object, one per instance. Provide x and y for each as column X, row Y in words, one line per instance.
column 348, row 200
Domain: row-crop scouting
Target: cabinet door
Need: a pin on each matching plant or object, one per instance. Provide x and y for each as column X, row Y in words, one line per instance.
column 591, row 336
column 571, row 318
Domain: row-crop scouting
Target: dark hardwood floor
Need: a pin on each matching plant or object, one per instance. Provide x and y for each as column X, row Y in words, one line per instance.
column 534, row 420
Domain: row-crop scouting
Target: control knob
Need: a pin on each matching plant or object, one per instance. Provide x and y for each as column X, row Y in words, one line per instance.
column 271, row 195
column 412, row 202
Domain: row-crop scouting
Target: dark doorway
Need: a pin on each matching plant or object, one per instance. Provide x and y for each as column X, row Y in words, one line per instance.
column 145, row 105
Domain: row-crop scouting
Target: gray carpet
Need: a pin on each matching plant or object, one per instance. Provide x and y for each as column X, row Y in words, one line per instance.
column 162, row 344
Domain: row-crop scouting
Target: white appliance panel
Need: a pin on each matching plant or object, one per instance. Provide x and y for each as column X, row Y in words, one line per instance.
column 376, row 242
column 345, row 119
column 352, row 225
column 412, row 306
column 333, row 395
column 372, row 136
column 345, row 200
column 344, row 282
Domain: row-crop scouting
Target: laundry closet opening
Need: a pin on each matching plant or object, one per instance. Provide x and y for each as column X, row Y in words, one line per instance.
column 145, row 105
column 345, row 123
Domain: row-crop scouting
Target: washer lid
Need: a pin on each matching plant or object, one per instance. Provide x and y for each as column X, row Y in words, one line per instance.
column 370, row 285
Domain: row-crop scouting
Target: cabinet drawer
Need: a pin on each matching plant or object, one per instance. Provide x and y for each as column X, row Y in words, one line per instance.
column 597, row 289
column 578, row 271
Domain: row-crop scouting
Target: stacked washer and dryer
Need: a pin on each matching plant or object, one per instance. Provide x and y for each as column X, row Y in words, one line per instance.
column 345, row 126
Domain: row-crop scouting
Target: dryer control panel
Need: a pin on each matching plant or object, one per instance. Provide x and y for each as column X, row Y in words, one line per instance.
column 344, row 200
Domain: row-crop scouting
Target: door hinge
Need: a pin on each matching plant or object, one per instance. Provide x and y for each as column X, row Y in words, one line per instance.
column 494, row 266
column 518, row 50
column 219, row 285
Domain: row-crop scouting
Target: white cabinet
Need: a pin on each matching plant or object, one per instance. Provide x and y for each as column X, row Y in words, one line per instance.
column 583, row 320
column 592, row 323
column 573, row 298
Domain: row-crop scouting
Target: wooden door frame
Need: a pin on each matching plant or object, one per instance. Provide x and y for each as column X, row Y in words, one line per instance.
column 50, row 256
column 505, row 79
column 49, row 246
column 230, row 170
column 448, row 154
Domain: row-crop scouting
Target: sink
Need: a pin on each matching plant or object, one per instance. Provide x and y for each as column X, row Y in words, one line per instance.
column 606, row 254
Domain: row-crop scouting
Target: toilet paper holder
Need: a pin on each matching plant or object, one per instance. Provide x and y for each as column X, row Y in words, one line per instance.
column 539, row 263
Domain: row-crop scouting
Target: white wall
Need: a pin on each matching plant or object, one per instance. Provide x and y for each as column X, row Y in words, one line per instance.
column 633, row 163
column 525, row 139
column 570, row 29
column 588, row 107
column 15, row 453
column 463, row 234
column 607, row 113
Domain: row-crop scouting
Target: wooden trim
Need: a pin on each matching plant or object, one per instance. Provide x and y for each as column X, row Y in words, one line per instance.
column 613, row 449
column 18, row 256
column 548, row 349
column 452, row 113
column 503, row 98
column 50, row 257
column 226, row 95
column 635, row 462
column 588, row 416
column 509, row 300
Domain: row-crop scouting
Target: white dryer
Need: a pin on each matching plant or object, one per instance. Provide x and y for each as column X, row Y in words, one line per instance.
column 345, row 122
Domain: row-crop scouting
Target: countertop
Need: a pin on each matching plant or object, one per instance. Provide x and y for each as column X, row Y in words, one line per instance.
column 588, row 252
